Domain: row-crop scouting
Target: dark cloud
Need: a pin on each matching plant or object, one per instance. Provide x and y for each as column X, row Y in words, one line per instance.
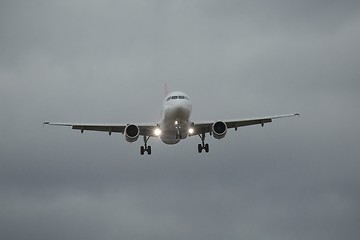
column 106, row 61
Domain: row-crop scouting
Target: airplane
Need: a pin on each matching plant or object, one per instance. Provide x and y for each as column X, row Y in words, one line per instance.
column 175, row 125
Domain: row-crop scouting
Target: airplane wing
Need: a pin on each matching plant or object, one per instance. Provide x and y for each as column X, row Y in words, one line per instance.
column 145, row 129
column 206, row 127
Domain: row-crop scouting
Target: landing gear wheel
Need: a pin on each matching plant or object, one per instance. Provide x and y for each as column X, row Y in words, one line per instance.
column 142, row 150
column 206, row 148
column 199, row 148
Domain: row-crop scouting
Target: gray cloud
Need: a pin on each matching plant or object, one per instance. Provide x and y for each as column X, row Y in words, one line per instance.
column 106, row 61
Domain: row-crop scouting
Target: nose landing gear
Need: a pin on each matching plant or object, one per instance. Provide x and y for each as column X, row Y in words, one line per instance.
column 178, row 132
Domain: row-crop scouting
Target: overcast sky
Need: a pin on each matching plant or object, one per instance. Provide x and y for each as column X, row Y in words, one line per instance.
column 107, row 61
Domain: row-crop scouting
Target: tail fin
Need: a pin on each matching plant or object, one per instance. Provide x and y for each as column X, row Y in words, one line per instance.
column 166, row 91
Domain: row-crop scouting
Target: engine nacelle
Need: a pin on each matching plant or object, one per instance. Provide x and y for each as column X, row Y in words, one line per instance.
column 132, row 133
column 219, row 129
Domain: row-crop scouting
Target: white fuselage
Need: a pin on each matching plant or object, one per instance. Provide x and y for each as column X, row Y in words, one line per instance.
column 174, row 124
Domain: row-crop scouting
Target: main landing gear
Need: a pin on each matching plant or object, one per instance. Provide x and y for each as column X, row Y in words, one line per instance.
column 203, row 146
column 145, row 148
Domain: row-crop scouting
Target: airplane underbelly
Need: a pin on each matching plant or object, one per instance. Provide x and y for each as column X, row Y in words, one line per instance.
column 170, row 141
column 171, row 137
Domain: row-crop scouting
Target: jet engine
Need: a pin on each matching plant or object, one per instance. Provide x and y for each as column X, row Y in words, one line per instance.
column 219, row 129
column 132, row 133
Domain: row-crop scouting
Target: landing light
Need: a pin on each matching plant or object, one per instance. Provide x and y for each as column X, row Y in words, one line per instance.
column 191, row 130
column 157, row 132
column 176, row 122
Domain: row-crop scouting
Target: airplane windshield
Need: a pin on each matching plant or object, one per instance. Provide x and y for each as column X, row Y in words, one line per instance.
column 177, row 97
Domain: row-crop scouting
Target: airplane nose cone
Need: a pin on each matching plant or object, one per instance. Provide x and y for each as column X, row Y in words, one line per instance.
column 181, row 112
column 178, row 112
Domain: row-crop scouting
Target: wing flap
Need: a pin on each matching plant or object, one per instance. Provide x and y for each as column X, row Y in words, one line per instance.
column 145, row 129
column 100, row 128
column 205, row 127
column 243, row 123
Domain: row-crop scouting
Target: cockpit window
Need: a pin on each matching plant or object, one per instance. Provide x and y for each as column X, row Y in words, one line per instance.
column 177, row 97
